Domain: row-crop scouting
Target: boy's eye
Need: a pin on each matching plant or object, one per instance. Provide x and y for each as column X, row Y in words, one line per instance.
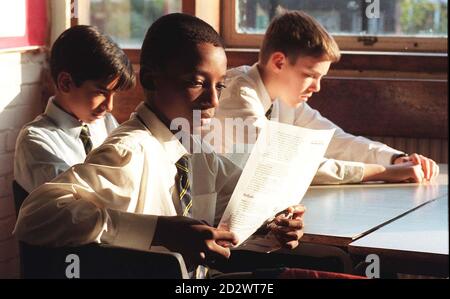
column 195, row 83
column 203, row 84
column 221, row 86
column 99, row 93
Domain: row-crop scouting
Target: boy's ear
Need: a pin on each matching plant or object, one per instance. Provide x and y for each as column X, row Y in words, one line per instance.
column 277, row 61
column 64, row 82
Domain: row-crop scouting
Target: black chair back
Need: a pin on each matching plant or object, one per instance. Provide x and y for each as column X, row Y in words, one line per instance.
column 96, row 261
column 19, row 196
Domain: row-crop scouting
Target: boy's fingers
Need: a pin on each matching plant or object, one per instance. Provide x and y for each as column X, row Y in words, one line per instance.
column 294, row 209
column 298, row 215
column 214, row 249
column 293, row 212
column 425, row 167
column 435, row 170
column 224, row 235
column 291, row 235
column 415, row 159
column 281, row 230
column 227, row 243
column 289, row 223
column 291, row 244
column 299, row 210
column 421, row 175
column 417, row 174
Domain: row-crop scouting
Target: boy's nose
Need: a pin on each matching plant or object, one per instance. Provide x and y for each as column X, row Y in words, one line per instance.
column 315, row 86
column 212, row 97
column 109, row 102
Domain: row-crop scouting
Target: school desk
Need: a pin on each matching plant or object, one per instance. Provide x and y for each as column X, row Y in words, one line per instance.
column 338, row 215
column 405, row 224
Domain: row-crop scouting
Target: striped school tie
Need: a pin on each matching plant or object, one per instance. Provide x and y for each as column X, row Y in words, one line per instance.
column 269, row 112
column 184, row 189
column 184, row 186
column 85, row 137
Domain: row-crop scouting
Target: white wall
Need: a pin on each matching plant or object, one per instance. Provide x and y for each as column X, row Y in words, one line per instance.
column 21, row 101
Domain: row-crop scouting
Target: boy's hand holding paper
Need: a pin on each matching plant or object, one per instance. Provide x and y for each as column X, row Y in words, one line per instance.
column 287, row 227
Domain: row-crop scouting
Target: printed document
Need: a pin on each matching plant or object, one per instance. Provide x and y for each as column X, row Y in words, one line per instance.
column 276, row 176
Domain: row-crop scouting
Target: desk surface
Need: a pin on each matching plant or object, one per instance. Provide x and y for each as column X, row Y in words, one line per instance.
column 423, row 230
column 337, row 215
column 416, row 243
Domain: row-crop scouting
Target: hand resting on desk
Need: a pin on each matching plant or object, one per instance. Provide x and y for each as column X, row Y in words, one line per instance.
column 429, row 167
column 407, row 172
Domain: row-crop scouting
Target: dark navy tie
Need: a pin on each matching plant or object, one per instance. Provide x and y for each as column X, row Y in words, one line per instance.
column 85, row 137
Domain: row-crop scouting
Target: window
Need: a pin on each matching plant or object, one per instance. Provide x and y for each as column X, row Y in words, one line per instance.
column 127, row 21
column 400, row 25
column 21, row 29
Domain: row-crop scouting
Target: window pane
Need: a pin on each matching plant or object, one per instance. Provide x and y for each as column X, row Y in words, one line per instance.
column 352, row 17
column 127, row 21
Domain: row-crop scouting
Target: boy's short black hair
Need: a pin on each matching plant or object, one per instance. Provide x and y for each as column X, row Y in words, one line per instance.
column 87, row 54
column 168, row 38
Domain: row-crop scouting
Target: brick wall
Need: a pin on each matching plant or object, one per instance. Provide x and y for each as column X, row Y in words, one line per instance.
column 20, row 102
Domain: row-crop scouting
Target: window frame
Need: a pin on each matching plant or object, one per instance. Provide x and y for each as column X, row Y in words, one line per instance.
column 207, row 10
column 82, row 14
column 363, row 62
column 234, row 39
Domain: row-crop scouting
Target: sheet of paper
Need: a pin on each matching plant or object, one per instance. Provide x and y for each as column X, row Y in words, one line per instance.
column 277, row 174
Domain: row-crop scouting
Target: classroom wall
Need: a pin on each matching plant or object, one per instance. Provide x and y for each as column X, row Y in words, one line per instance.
column 406, row 114
column 20, row 102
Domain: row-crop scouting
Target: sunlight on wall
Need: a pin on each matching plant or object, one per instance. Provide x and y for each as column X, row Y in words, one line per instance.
column 10, row 78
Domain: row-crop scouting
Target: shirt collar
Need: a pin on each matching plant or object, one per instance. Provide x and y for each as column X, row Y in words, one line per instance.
column 165, row 137
column 62, row 119
column 262, row 90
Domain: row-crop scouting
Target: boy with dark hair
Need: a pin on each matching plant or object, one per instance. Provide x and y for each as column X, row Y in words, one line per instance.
column 142, row 187
column 87, row 68
column 296, row 53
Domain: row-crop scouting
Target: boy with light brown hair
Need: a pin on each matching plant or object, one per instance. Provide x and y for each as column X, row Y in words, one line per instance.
column 295, row 55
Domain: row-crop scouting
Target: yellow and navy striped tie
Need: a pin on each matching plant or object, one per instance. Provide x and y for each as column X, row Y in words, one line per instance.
column 85, row 137
column 184, row 186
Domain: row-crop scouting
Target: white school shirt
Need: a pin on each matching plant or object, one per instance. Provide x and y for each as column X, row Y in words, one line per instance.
column 116, row 196
column 51, row 143
column 246, row 97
